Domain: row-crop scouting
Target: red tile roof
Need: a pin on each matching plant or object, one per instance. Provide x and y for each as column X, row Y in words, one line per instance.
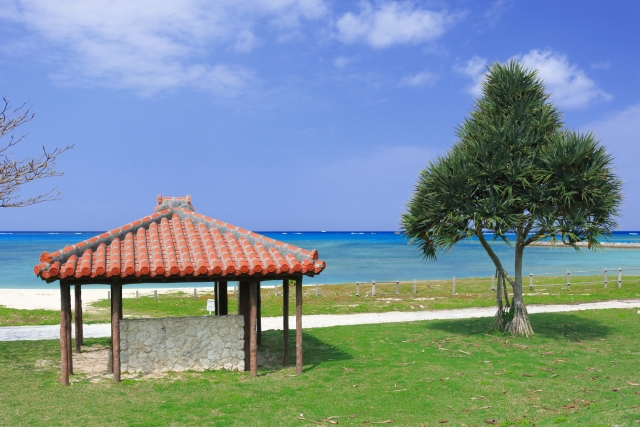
column 175, row 241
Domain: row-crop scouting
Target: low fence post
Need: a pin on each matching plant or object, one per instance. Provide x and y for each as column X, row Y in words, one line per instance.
column 414, row 286
column 493, row 289
column 619, row 277
column 109, row 295
column 275, row 289
column 357, row 289
column 397, row 287
column 373, row 288
column 155, row 295
column 530, row 281
column 453, row 284
column 235, row 291
column 568, row 279
column 316, row 289
column 136, row 295
column 605, row 278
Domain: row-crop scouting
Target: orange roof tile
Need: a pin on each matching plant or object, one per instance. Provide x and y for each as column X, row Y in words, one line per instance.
column 175, row 242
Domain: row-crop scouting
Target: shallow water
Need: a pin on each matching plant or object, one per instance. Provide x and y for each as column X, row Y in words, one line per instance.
column 350, row 257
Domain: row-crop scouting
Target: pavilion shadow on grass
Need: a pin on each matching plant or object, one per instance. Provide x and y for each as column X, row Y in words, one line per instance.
column 177, row 245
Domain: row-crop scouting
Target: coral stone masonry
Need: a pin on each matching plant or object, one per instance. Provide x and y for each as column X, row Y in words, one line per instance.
column 182, row 343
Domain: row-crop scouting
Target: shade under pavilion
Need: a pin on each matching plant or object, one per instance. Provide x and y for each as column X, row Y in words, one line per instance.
column 175, row 244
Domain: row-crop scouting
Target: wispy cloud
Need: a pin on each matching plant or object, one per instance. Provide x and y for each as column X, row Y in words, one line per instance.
column 154, row 45
column 342, row 61
column 423, row 78
column 602, row 65
column 392, row 23
column 568, row 83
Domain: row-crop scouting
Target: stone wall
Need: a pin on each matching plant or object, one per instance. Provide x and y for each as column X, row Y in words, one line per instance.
column 182, row 343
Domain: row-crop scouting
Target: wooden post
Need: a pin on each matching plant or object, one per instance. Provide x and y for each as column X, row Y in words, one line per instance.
column 373, row 288
column 195, row 294
column 235, row 291
column 64, row 352
column 116, row 315
column 530, row 281
column 415, row 286
column 492, row 286
column 215, row 298
column 109, row 295
column 137, row 295
column 397, row 287
column 259, row 321
column 275, row 290
column 605, row 278
column 453, row 284
column 244, row 311
column 299, row 325
column 568, row 279
column 78, row 318
column 155, row 295
column 316, row 289
column 253, row 326
column 619, row 277
column 285, row 322
column 223, row 295
column 357, row 289
column 67, row 313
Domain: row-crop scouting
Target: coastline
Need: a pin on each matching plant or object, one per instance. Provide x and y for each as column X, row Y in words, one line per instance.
column 620, row 245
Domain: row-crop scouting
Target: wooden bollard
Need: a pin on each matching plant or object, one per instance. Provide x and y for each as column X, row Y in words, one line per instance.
column 568, row 279
column 619, row 277
column 155, row 295
column 397, row 287
column 493, row 288
column 275, row 290
column 453, row 284
column 316, row 289
column 136, row 296
column 373, row 288
column 109, row 295
column 357, row 289
column 605, row 278
column 414, row 286
column 235, row 291
column 530, row 281
column 195, row 294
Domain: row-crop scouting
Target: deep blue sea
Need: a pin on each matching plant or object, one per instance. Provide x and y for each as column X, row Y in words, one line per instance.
column 352, row 256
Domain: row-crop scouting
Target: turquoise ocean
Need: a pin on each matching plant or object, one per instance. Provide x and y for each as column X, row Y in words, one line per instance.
column 355, row 256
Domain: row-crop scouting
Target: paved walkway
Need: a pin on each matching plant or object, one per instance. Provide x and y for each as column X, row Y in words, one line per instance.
column 18, row 333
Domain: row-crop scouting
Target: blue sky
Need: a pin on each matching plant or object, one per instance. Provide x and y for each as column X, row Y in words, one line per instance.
column 290, row 114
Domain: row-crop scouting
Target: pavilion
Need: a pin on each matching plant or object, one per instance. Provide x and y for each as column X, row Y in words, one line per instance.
column 177, row 245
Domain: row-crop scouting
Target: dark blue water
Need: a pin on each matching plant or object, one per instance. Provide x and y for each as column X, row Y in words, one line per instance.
column 350, row 257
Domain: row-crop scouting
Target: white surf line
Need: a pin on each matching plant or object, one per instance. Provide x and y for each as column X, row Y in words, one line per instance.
column 50, row 332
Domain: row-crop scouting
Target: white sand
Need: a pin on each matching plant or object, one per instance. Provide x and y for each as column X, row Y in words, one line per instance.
column 49, row 299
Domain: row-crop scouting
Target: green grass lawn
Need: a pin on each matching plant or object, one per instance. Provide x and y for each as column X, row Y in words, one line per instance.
column 341, row 299
column 579, row 369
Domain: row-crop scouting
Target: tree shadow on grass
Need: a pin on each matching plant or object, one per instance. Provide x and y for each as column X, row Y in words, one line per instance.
column 547, row 325
column 314, row 351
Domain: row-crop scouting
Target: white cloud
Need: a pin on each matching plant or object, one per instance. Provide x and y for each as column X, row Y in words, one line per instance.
column 153, row 45
column 567, row 83
column 390, row 23
column 602, row 65
column 474, row 69
column 342, row 61
column 620, row 132
column 423, row 78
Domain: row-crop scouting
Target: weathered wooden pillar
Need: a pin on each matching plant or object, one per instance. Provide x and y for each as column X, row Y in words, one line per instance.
column 116, row 315
column 259, row 321
column 253, row 325
column 285, row 322
column 243, row 310
column 224, row 298
column 299, row 325
column 78, row 318
column 69, row 319
column 215, row 298
column 65, row 298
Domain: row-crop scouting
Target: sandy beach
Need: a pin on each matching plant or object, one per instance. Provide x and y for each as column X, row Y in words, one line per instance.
column 49, row 299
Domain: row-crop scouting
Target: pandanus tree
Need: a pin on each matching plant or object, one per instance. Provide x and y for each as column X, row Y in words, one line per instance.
column 516, row 175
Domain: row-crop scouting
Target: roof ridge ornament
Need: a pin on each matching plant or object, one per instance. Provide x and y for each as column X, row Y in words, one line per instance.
column 174, row 202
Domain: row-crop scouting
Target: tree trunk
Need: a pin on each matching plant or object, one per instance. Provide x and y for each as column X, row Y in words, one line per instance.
column 498, row 319
column 519, row 325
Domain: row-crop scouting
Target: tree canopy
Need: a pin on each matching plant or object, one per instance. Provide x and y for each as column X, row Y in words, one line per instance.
column 514, row 169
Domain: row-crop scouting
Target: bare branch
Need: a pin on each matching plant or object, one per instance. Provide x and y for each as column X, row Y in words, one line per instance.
column 14, row 173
